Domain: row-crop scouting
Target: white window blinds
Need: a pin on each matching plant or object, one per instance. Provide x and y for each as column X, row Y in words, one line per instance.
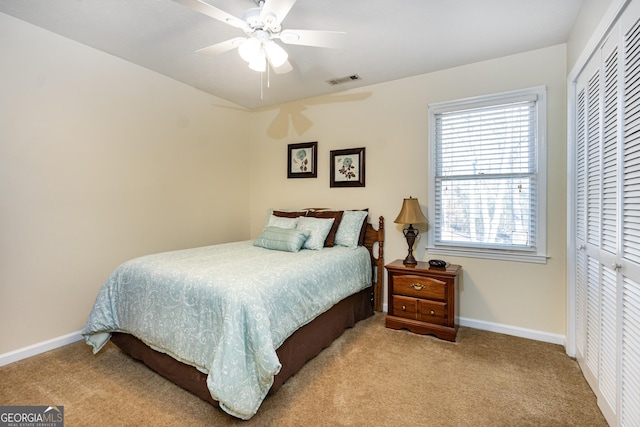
column 486, row 175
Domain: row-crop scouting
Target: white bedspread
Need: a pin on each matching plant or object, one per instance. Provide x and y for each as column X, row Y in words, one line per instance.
column 225, row 309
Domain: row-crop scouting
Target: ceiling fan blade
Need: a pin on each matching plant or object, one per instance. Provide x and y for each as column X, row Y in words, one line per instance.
column 283, row 69
column 213, row 12
column 221, row 47
column 332, row 39
column 277, row 8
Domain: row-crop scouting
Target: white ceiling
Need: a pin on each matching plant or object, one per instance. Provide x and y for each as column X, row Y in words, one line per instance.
column 385, row 39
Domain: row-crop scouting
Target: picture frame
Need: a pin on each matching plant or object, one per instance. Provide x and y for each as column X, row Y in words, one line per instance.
column 302, row 160
column 347, row 167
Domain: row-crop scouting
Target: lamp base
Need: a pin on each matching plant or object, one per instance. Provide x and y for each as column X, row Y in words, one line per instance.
column 410, row 234
column 410, row 261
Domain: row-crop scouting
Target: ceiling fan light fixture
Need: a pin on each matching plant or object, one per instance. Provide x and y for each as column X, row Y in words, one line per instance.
column 276, row 54
column 250, row 49
column 261, row 25
column 259, row 62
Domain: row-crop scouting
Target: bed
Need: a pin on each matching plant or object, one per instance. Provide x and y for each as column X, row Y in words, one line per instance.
column 232, row 322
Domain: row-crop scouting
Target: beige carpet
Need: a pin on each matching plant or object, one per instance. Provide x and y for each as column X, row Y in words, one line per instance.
column 369, row 376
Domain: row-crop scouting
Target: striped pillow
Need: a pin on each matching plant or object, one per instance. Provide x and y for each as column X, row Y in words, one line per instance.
column 282, row 239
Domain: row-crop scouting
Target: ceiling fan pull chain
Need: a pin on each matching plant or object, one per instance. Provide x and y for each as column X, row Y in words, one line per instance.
column 261, row 84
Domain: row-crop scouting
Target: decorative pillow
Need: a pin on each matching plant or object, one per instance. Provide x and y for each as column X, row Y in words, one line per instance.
column 290, row 214
column 363, row 230
column 348, row 233
column 336, row 215
column 318, row 228
column 282, row 222
column 282, row 239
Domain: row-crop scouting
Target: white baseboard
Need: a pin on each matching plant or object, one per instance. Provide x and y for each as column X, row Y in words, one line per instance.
column 516, row 331
column 32, row 350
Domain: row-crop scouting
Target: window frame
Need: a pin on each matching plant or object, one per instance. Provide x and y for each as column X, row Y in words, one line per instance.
column 538, row 254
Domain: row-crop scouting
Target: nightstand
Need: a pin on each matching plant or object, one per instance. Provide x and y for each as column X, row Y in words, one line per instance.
column 423, row 299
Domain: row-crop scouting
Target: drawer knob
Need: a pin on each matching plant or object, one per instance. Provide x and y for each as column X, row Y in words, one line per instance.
column 417, row 286
column 433, row 313
column 404, row 308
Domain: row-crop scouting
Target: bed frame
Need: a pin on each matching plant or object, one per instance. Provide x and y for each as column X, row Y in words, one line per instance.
column 296, row 350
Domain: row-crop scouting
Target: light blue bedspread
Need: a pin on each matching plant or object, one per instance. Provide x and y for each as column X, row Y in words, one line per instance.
column 225, row 309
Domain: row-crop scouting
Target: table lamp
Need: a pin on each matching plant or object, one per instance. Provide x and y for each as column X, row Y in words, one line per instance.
column 410, row 214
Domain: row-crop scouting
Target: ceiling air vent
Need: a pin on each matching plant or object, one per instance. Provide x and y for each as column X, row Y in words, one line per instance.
column 340, row 80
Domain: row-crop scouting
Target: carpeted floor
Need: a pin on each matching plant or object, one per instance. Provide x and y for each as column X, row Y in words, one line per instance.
column 369, row 376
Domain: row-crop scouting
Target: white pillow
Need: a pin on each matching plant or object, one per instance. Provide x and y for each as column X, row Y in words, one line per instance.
column 267, row 218
column 318, row 228
column 282, row 222
column 348, row 232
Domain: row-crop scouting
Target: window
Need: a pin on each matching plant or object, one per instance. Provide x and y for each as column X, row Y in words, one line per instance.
column 487, row 182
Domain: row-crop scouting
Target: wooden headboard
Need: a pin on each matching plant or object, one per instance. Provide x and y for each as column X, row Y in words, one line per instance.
column 371, row 238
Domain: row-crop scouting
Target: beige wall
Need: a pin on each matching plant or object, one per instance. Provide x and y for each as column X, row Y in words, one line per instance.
column 591, row 13
column 390, row 120
column 100, row 161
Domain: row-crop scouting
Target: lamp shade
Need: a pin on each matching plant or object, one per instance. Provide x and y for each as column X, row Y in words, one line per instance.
column 259, row 62
column 250, row 49
column 276, row 54
column 410, row 213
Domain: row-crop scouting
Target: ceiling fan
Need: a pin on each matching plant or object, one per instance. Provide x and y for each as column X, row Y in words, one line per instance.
column 262, row 25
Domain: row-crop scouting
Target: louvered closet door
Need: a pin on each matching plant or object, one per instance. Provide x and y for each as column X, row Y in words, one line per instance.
column 607, row 227
column 596, row 227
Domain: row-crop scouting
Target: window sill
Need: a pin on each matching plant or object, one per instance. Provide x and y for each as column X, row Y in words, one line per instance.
column 501, row 256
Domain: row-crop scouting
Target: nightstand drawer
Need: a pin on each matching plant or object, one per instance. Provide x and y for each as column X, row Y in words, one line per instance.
column 405, row 307
column 420, row 287
column 432, row 312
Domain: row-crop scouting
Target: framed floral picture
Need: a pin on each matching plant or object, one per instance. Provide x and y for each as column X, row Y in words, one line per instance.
column 302, row 160
column 347, row 168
